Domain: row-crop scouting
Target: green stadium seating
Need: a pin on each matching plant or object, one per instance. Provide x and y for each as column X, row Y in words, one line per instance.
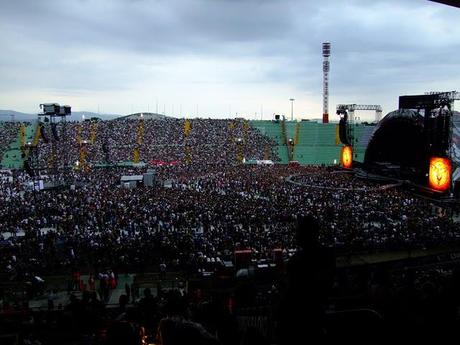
column 12, row 158
column 316, row 141
column 273, row 130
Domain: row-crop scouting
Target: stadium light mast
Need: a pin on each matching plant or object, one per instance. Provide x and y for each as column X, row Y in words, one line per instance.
column 326, row 54
column 292, row 108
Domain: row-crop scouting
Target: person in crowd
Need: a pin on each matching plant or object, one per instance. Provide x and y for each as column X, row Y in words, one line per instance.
column 310, row 275
column 176, row 331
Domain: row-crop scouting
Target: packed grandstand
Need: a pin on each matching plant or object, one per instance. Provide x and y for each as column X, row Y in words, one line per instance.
column 208, row 253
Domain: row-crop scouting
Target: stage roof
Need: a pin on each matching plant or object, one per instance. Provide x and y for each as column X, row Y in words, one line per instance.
column 455, row 3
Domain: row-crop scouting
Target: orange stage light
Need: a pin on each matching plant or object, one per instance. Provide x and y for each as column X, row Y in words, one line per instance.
column 440, row 173
column 346, row 157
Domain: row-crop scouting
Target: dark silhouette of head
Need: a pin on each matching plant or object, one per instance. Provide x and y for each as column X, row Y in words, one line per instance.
column 307, row 231
column 147, row 292
column 176, row 331
column 252, row 336
column 123, row 333
column 123, row 301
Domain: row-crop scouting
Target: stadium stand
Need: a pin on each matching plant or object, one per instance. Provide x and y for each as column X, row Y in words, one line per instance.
column 317, row 144
column 362, row 134
column 210, row 142
column 117, row 141
column 273, row 130
column 10, row 151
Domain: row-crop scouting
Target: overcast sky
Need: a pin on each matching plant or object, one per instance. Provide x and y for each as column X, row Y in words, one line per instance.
column 223, row 57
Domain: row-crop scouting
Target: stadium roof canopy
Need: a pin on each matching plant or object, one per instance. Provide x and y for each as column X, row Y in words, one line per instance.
column 146, row 116
column 455, row 3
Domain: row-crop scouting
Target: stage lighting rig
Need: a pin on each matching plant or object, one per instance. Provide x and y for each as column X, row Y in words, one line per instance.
column 50, row 116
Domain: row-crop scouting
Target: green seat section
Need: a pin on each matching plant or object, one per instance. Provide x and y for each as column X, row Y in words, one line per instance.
column 12, row 156
column 362, row 136
column 317, row 144
column 10, row 151
column 273, row 130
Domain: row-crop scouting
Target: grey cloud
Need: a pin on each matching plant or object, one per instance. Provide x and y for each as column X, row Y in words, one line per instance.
column 379, row 47
column 157, row 27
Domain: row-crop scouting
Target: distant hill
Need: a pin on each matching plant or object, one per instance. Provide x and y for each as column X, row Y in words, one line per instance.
column 9, row 115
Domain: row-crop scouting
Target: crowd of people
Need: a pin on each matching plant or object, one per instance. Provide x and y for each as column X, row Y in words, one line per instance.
column 205, row 142
column 9, row 132
column 203, row 217
column 211, row 207
column 411, row 304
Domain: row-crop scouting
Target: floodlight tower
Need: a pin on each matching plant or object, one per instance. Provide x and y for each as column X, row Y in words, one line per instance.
column 326, row 54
